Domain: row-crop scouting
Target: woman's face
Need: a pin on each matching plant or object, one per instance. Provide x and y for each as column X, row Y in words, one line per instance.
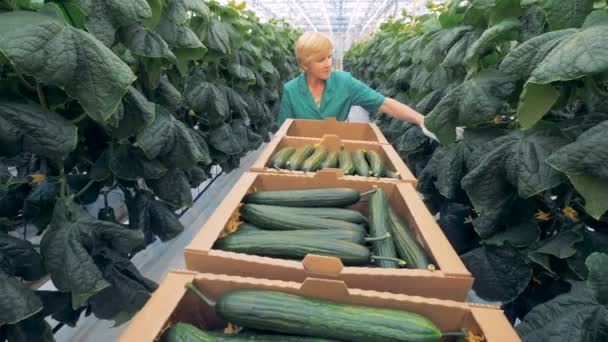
column 320, row 67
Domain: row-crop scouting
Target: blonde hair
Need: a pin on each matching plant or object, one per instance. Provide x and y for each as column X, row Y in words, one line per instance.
column 311, row 45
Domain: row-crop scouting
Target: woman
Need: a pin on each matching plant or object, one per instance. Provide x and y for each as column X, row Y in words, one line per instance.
column 319, row 92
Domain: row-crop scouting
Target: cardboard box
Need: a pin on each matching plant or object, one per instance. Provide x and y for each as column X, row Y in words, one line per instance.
column 172, row 303
column 451, row 279
column 332, row 142
column 359, row 131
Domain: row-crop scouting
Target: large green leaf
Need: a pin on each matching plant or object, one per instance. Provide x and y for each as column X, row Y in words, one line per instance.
column 522, row 60
column 218, row 38
column 455, row 56
column 153, row 217
column 45, row 47
column 207, row 98
column 170, row 140
column 106, row 16
column 514, row 168
column 19, row 258
column 521, row 235
column 138, row 113
column 223, row 139
column 17, row 302
column 439, row 44
column 566, row 14
column 130, row 163
column 505, row 30
column 143, row 42
column 173, row 188
column 182, row 40
column 242, row 73
column 576, row 316
column 66, row 245
column 533, row 23
column 537, row 99
column 560, row 246
column 598, row 276
column 129, row 289
column 38, row 130
column 584, row 161
column 501, row 274
column 580, row 54
column 178, row 10
column 476, row 101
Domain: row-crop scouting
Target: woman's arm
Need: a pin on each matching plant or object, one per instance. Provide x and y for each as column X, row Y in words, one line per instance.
column 400, row 111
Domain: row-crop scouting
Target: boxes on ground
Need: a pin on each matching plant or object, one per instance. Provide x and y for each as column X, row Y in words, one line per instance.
column 332, row 142
column 358, row 131
column 450, row 279
column 172, row 303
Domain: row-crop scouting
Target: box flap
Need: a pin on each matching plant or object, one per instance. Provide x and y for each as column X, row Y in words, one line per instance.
column 332, row 142
column 318, row 265
column 328, row 289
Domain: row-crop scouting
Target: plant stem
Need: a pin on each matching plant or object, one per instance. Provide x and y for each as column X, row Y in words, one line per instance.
column 41, row 96
column 86, row 187
column 378, row 238
column 190, row 286
column 79, row 118
column 399, row 261
column 62, row 185
column 368, row 192
column 454, row 333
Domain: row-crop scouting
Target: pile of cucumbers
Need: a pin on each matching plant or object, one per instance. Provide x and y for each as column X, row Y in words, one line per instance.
column 293, row 223
column 311, row 158
column 279, row 316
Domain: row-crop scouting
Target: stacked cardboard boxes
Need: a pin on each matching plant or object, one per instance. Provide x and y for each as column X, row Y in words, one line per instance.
column 436, row 293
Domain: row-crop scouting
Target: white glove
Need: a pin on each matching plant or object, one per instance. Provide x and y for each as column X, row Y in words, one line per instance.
column 428, row 133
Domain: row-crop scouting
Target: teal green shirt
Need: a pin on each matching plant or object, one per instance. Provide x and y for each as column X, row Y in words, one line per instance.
column 341, row 92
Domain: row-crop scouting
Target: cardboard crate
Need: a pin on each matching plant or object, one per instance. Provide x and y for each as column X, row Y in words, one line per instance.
column 172, row 303
column 332, row 142
column 451, row 279
column 358, row 131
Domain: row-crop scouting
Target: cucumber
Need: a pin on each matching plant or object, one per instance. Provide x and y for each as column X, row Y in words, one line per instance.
column 259, row 337
column 280, row 158
column 330, row 197
column 407, row 246
column 348, row 215
column 356, row 236
column 392, row 174
column 313, row 163
column 375, row 163
column 294, row 314
column 285, row 246
column 331, row 161
column 345, row 161
column 271, row 217
column 184, row 332
column 360, row 163
column 379, row 223
column 294, row 163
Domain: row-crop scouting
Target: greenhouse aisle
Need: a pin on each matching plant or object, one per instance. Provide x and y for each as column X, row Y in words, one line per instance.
column 158, row 258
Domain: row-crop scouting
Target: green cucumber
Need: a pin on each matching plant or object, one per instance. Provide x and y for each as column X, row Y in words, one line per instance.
column 379, row 224
column 285, row 246
column 407, row 246
column 294, row 163
column 294, row 314
column 313, row 163
column 329, row 197
column 360, row 163
column 343, row 214
column 392, row 174
column 269, row 217
column 375, row 163
column 331, row 161
column 353, row 235
column 184, row 332
column 280, row 158
column 345, row 161
column 260, row 337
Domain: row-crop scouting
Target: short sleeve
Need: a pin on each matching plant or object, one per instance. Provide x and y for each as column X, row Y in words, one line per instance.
column 285, row 110
column 364, row 96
